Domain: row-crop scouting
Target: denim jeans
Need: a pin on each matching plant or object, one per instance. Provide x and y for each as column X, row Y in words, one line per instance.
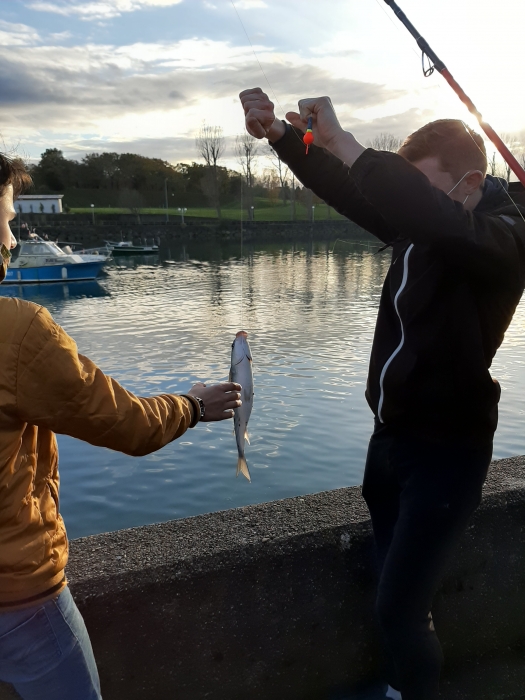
column 45, row 652
column 420, row 495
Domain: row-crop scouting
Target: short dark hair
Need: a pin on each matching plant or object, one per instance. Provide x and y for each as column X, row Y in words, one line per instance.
column 13, row 171
column 456, row 145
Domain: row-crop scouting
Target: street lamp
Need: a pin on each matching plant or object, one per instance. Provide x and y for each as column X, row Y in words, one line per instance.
column 313, row 213
column 93, row 213
column 166, row 198
column 252, row 213
column 182, row 210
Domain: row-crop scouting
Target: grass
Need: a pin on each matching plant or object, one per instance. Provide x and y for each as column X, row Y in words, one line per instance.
column 264, row 211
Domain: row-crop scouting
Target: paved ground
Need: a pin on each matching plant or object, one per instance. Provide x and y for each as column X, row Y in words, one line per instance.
column 480, row 679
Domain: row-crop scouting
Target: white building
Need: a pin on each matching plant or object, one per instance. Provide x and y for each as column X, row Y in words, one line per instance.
column 39, row 204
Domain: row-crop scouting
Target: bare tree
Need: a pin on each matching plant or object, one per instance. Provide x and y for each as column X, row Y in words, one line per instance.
column 493, row 166
column 512, row 143
column 385, row 142
column 247, row 151
column 281, row 169
column 210, row 145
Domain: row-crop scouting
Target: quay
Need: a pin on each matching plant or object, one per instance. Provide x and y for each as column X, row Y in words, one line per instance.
column 275, row 601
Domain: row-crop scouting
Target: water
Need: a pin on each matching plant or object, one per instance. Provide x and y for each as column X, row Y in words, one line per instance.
column 160, row 325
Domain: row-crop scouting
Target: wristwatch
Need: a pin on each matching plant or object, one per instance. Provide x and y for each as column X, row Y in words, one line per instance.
column 199, row 408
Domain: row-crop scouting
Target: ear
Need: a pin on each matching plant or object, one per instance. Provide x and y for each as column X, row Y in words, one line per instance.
column 474, row 181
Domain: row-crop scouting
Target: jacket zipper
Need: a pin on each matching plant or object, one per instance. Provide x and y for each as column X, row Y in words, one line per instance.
column 398, row 349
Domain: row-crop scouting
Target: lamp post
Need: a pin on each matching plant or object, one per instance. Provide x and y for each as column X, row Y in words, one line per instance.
column 313, row 213
column 182, row 210
column 252, row 213
column 166, row 198
column 93, row 213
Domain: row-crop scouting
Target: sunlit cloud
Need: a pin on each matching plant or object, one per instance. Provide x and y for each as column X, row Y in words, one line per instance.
column 98, row 10
column 249, row 4
column 17, row 34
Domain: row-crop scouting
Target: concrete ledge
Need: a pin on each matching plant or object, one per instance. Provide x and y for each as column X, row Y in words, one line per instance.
column 275, row 600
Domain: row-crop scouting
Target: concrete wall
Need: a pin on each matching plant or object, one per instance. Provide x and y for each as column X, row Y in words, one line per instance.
column 78, row 228
column 275, row 600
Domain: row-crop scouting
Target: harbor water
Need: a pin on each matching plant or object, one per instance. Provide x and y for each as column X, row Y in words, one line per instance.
column 159, row 324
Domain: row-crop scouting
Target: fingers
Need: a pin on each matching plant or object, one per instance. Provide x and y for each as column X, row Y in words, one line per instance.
column 253, row 95
column 295, row 120
column 198, row 385
column 234, row 403
column 230, row 386
column 265, row 105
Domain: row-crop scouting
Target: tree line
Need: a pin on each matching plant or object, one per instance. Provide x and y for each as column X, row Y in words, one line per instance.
column 132, row 181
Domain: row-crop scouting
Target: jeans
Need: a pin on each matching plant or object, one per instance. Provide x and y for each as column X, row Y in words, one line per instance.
column 420, row 495
column 45, row 652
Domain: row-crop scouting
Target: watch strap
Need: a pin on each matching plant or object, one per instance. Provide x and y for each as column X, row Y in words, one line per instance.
column 198, row 406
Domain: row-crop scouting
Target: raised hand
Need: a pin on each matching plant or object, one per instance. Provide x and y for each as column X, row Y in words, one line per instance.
column 325, row 125
column 261, row 121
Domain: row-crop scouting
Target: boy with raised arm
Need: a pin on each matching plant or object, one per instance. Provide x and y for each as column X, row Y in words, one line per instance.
column 47, row 387
column 456, row 277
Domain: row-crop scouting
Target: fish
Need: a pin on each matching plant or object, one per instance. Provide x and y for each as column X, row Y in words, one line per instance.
column 241, row 373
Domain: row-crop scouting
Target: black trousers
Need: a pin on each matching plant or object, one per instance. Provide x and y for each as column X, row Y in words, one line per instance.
column 420, row 494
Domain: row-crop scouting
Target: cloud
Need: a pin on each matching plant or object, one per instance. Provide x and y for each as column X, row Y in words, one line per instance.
column 17, row 34
column 97, row 10
column 151, row 98
column 145, row 77
column 249, row 4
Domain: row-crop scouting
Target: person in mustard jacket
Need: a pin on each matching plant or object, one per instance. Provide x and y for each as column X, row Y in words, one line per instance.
column 47, row 387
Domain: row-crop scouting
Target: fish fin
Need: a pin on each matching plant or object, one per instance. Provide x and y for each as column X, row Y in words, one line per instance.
column 242, row 468
column 246, row 436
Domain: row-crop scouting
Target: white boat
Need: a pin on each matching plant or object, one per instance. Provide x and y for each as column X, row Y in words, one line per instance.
column 43, row 261
column 87, row 254
column 127, row 248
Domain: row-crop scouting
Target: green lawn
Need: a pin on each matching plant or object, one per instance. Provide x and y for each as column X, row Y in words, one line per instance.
column 264, row 211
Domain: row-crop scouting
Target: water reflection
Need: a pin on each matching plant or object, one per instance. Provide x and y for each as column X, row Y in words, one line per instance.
column 54, row 291
column 159, row 325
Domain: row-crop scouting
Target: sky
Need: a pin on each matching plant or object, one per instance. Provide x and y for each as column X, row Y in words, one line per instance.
column 142, row 76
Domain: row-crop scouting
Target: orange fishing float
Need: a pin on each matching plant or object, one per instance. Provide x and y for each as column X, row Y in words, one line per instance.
column 308, row 138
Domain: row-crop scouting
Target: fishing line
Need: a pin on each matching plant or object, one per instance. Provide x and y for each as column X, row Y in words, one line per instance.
column 396, row 25
column 469, row 132
column 242, row 260
column 440, row 86
column 260, row 66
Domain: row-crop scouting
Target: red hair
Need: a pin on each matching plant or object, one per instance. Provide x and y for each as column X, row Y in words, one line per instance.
column 458, row 148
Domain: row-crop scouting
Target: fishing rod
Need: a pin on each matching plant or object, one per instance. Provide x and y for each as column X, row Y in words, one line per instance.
column 435, row 63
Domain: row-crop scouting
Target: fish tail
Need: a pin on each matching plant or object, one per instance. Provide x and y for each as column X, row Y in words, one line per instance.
column 242, row 468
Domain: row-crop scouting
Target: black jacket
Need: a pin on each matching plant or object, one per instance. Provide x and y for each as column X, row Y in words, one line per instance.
column 455, row 280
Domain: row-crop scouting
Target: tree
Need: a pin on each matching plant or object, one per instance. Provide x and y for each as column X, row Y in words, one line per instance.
column 281, row 169
column 493, row 166
column 512, row 142
column 210, row 145
column 247, row 151
column 385, row 142
column 54, row 172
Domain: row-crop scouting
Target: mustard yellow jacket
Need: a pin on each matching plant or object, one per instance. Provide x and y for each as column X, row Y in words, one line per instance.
column 46, row 387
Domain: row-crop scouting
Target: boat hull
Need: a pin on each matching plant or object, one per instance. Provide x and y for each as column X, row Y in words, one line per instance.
column 135, row 251
column 53, row 273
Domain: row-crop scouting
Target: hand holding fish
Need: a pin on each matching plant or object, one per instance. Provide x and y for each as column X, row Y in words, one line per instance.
column 219, row 399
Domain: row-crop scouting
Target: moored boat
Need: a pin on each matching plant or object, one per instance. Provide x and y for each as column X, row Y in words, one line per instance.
column 43, row 261
column 127, row 248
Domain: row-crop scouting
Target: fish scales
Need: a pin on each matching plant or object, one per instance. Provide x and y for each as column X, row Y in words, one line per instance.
column 241, row 372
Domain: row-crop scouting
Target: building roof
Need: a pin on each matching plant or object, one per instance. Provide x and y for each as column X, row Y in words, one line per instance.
column 40, row 196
